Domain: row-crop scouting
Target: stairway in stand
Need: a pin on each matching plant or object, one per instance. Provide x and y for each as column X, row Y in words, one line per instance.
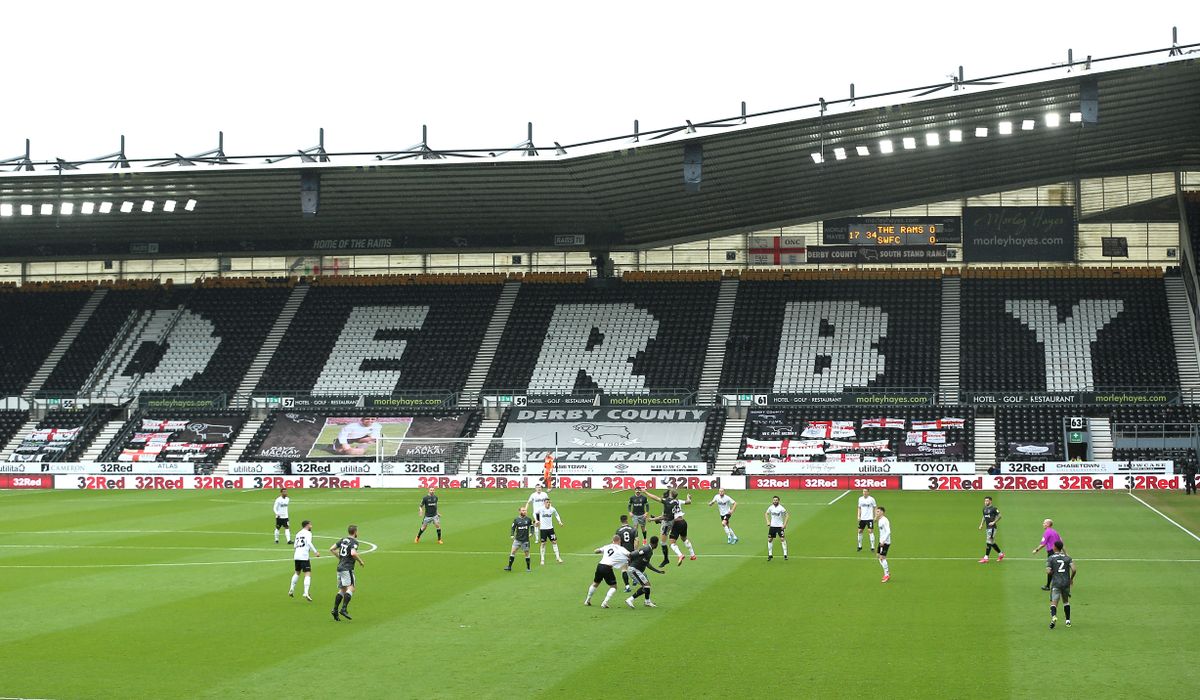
column 950, row 343
column 718, row 338
column 985, row 444
column 491, row 341
column 730, row 445
column 234, row 454
column 242, row 398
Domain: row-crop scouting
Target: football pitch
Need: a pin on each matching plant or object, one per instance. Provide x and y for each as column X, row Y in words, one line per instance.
column 184, row 595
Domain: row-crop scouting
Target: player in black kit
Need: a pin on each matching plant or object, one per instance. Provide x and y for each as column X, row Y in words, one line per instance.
column 346, row 550
column 639, row 561
column 628, row 537
column 521, row 527
column 638, row 506
column 990, row 517
column 429, row 514
column 668, row 516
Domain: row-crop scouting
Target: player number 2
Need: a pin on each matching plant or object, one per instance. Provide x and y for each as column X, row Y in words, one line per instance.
column 1062, row 566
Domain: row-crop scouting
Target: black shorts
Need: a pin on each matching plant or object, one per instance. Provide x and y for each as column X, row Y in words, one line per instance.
column 281, row 522
column 679, row 529
column 775, row 532
column 604, row 572
column 303, row 565
column 547, row 535
column 725, row 518
column 866, row 524
column 883, row 549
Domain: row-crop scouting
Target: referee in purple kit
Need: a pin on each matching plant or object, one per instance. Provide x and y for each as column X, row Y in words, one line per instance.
column 1049, row 537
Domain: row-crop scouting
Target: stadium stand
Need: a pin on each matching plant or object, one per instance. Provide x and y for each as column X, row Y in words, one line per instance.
column 1103, row 329
column 645, row 333
column 147, row 337
column 33, row 317
column 384, row 335
column 1032, row 425
column 200, row 437
column 10, row 423
column 296, row 435
column 1191, row 203
column 828, row 331
column 1156, row 432
column 61, row 435
column 776, row 424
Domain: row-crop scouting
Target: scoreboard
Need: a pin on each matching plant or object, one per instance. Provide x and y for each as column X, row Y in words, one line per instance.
column 892, row 231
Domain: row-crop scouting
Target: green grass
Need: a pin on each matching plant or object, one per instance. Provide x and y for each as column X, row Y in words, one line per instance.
column 137, row 594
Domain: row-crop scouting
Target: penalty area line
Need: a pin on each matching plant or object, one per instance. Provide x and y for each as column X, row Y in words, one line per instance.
column 1164, row 517
column 838, row 498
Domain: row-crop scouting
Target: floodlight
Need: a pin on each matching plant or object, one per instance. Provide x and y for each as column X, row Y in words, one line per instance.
column 191, row 205
column 47, row 209
column 1005, row 128
column 6, row 210
column 1076, row 117
column 105, row 207
column 956, row 136
column 885, row 146
column 933, row 139
column 126, row 207
column 981, row 132
column 839, row 153
column 66, row 208
column 862, row 150
column 26, row 210
column 909, row 143
column 169, row 206
column 87, row 207
column 1052, row 119
column 1027, row 125
column 817, row 158
column 148, row 206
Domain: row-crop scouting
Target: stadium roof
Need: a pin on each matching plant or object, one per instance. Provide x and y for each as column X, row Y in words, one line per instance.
column 757, row 173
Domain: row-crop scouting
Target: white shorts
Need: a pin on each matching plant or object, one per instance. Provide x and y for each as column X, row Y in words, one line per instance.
column 345, row 579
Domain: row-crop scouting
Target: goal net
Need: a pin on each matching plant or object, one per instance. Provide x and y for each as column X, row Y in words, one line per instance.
column 459, row 454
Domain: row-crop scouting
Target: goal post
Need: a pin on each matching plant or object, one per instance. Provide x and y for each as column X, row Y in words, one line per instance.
column 459, row 454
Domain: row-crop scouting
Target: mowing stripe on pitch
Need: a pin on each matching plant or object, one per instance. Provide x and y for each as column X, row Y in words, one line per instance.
column 1164, row 516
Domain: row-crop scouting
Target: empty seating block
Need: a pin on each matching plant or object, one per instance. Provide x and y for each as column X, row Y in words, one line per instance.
column 383, row 339
column 612, row 336
column 169, row 339
column 1032, row 425
column 1066, row 335
column 820, row 336
column 1155, row 432
column 10, row 423
column 33, row 319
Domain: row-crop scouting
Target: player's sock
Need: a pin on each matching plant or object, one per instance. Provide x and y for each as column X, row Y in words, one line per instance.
column 337, row 601
column 770, row 548
column 688, row 544
column 872, row 540
column 1053, row 611
column 555, row 546
column 277, row 537
column 511, row 559
column 860, row 540
column 346, row 600
column 288, row 532
column 646, row 592
column 675, row 549
column 986, row 551
column 1047, row 580
column 527, row 564
column 608, row 596
column 1067, row 611
column 732, row 533
column 439, row 533
column 543, row 550
column 625, row 577
column 307, row 583
column 885, row 567
column 664, row 551
column 591, row 590
column 295, row 578
column 784, row 543
column 996, row 546
column 419, row 533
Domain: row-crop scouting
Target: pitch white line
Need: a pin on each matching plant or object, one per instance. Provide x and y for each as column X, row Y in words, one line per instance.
column 1164, row 516
column 808, row 557
column 839, row 497
column 373, row 547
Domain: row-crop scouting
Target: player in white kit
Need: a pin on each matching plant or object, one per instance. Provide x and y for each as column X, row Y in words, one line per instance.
column 535, row 503
column 866, row 517
column 354, row 438
column 777, row 519
column 885, row 540
column 725, row 506
column 546, row 530
column 613, row 556
column 303, row 546
column 281, row 516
